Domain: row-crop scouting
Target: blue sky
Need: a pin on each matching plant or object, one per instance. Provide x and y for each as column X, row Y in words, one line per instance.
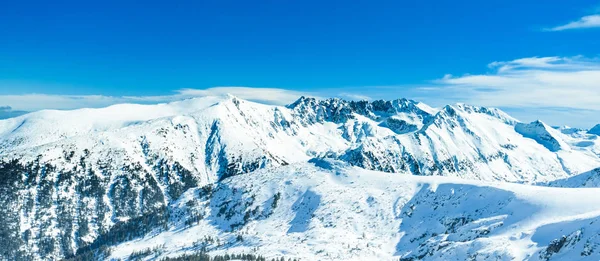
column 534, row 59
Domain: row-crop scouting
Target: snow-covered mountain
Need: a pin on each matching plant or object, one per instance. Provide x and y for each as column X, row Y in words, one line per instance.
column 220, row 136
column 74, row 181
column 325, row 210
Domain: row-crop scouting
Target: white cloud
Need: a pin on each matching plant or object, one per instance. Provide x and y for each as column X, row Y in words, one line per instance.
column 589, row 21
column 557, row 116
column 539, row 62
column 353, row 96
column 33, row 102
column 562, row 83
column 557, row 90
column 266, row 95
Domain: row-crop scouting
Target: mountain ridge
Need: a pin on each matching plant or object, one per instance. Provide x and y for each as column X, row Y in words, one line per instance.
column 78, row 179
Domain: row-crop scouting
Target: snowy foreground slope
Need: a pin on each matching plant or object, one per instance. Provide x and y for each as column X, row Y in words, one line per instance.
column 74, row 182
column 328, row 211
column 589, row 179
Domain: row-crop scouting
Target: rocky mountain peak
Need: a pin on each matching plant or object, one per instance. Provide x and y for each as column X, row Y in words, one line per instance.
column 595, row 130
column 542, row 134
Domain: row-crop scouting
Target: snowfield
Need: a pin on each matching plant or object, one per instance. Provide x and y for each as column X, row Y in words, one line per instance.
column 330, row 211
column 317, row 179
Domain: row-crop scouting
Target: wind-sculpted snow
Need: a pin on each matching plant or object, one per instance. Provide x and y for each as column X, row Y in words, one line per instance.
column 80, row 180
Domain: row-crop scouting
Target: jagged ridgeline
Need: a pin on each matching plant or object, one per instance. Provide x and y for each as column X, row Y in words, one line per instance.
column 75, row 182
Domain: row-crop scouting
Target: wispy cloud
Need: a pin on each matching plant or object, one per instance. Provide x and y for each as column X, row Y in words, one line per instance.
column 557, row 90
column 529, row 84
column 8, row 112
column 354, row 96
column 266, row 95
column 589, row 21
column 33, row 102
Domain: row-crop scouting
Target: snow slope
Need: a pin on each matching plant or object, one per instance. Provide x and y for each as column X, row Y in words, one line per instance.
column 330, row 211
column 543, row 134
column 590, row 179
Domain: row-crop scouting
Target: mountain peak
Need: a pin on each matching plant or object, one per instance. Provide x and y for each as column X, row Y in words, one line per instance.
column 595, row 130
column 230, row 96
column 542, row 134
column 452, row 113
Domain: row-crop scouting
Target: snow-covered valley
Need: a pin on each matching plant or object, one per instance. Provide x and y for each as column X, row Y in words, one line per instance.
column 316, row 180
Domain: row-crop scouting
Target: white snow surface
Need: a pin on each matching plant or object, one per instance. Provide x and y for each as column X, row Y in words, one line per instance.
column 590, row 179
column 330, row 211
